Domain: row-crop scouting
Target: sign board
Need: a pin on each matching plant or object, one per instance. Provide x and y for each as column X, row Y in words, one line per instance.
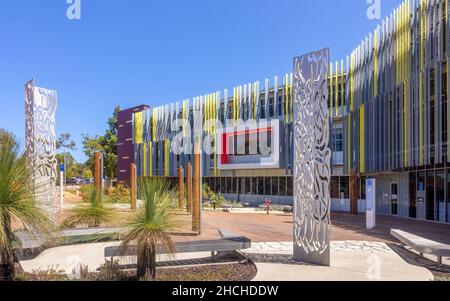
column 370, row 203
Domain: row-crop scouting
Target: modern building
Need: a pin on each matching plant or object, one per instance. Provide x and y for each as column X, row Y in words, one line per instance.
column 389, row 121
column 125, row 147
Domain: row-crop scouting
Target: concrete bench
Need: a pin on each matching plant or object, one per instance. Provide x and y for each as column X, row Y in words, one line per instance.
column 228, row 242
column 226, row 208
column 29, row 246
column 422, row 245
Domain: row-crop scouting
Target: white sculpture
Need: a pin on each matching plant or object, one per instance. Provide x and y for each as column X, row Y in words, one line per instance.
column 312, row 157
column 40, row 109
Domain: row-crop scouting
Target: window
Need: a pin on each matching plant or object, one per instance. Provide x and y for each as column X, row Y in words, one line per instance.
column 338, row 140
column 440, row 195
column 412, row 195
column 280, row 106
column 262, row 109
column 363, row 188
column 444, row 112
column 267, row 186
column 260, row 186
column 290, row 186
column 430, row 195
column 223, row 185
column 248, row 186
column 234, row 186
column 334, row 191
column 271, row 107
column 448, row 196
column 242, row 185
column 283, row 189
column 344, row 188
column 274, row 185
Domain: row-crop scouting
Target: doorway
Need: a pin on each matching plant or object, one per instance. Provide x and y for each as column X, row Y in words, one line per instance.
column 394, row 198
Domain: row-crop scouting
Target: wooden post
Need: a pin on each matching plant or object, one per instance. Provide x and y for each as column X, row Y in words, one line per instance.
column 133, row 186
column 188, row 186
column 181, row 186
column 98, row 172
column 196, row 194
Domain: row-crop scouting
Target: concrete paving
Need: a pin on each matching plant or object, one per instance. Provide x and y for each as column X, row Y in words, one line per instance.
column 350, row 260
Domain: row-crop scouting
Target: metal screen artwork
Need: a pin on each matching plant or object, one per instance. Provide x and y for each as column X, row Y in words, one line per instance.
column 40, row 109
column 312, row 169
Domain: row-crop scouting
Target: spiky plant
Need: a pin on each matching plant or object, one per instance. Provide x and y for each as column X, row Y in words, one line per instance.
column 93, row 215
column 18, row 208
column 149, row 228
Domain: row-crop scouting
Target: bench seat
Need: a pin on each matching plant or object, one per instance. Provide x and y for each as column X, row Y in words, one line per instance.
column 422, row 245
column 228, row 242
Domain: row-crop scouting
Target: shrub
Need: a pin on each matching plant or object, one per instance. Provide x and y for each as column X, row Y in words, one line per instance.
column 109, row 271
column 93, row 215
column 119, row 194
column 84, row 191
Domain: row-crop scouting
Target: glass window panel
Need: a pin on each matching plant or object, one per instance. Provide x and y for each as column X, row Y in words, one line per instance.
column 290, row 186
column 334, row 188
column 448, row 196
column 283, row 190
column 267, row 186
column 248, row 186
column 344, row 188
column 275, row 186
column 430, row 195
column 412, row 194
column 260, row 186
column 440, row 195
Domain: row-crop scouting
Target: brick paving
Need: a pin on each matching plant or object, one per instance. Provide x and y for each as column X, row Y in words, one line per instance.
column 279, row 227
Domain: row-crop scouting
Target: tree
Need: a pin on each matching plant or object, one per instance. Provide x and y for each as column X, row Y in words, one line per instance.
column 65, row 142
column 70, row 160
column 150, row 227
column 106, row 144
column 17, row 203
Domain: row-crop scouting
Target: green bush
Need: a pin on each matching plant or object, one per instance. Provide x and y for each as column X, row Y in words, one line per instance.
column 84, row 191
column 119, row 195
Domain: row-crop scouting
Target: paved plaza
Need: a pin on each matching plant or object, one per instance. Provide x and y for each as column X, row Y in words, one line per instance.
column 278, row 227
column 350, row 261
column 356, row 253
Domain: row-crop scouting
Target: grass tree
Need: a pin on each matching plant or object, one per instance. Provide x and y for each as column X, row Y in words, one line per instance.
column 18, row 208
column 149, row 228
column 93, row 215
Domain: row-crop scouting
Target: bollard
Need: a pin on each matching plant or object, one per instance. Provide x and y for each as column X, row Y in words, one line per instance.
column 188, row 186
column 133, row 186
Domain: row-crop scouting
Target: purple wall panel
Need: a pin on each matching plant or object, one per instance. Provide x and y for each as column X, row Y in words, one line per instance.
column 125, row 147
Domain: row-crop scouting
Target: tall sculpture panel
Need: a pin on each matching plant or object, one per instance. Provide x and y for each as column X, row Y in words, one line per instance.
column 40, row 109
column 312, row 158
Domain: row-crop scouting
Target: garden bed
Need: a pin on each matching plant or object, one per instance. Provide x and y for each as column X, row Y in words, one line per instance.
column 219, row 272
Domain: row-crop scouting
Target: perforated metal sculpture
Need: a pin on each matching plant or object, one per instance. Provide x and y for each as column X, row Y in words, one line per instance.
column 312, row 169
column 40, row 109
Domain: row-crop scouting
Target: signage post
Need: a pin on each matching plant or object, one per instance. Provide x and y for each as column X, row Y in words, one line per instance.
column 370, row 203
column 61, row 186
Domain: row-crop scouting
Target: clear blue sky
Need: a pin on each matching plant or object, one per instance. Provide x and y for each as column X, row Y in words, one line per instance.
column 154, row 52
